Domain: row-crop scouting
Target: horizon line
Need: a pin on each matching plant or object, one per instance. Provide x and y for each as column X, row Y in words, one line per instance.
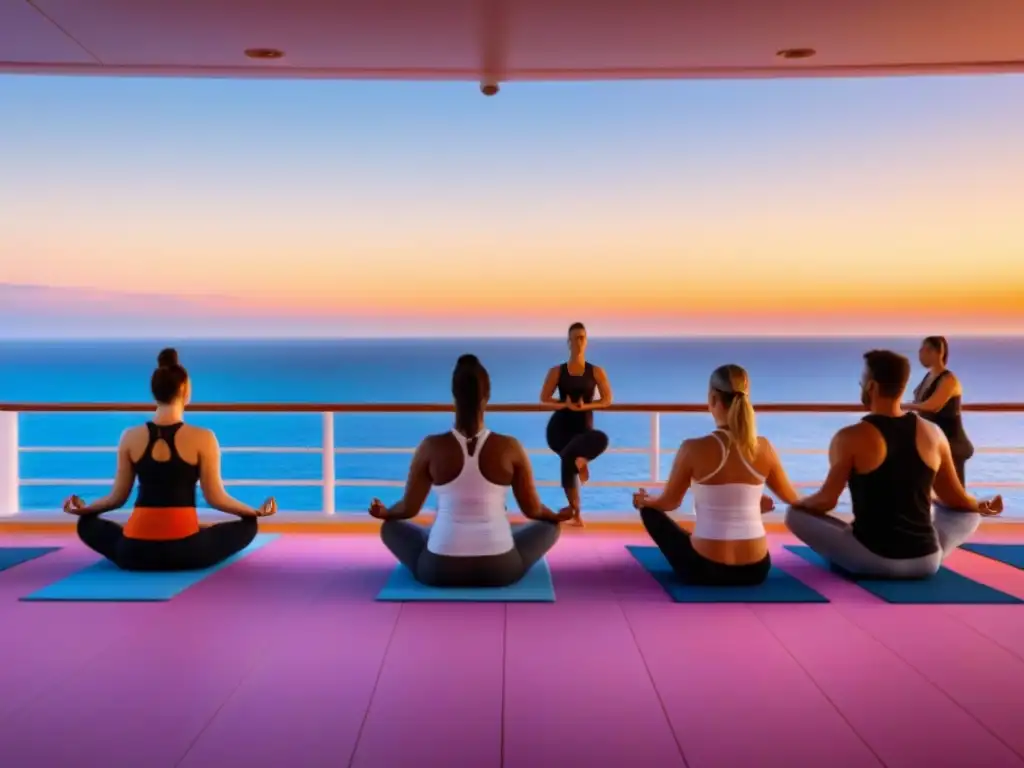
column 165, row 340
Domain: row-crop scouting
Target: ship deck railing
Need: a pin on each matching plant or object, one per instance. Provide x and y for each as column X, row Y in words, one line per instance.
column 332, row 454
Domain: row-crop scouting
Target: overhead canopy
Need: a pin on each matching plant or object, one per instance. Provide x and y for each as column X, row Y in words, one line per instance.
column 506, row 40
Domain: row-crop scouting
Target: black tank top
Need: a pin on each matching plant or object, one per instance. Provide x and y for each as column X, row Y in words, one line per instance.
column 170, row 483
column 892, row 506
column 577, row 388
column 947, row 418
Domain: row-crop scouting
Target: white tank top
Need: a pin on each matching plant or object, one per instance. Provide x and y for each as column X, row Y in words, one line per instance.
column 731, row 511
column 472, row 520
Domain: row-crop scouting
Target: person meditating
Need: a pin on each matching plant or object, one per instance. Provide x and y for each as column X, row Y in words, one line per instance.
column 893, row 462
column 471, row 543
column 728, row 469
column 570, row 432
column 168, row 457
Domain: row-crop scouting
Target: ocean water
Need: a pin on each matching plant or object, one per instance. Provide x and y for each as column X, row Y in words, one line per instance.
column 418, row 371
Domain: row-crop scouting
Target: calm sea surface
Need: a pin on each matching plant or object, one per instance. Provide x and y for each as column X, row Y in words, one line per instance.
column 389, row 371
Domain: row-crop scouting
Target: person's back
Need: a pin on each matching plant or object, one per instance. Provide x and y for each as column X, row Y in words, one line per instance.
column 472, row 518
column 892, row 462
column 728, row 470
column 168, row 458
column 165, row 507
column 472, row 543
column 727, row 492
column 895, row 461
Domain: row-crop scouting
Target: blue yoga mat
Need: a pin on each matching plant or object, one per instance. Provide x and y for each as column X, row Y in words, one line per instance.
column 105, row 582
column 534, row 587
column 779, row 587
column 12, row 556
column 944, row 588
column 1009, row 554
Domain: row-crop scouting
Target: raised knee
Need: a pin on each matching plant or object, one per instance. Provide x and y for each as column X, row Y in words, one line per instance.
column 650, row 513
column 555, row 532
column 389, row 529
column 795, row 517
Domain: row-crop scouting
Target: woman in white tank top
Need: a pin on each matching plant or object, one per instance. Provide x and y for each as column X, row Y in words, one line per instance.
column 472, row 543
column 728, row 470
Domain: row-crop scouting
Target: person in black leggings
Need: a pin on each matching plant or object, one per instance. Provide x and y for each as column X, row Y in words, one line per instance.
column 570, row 431
column 937, row 399
column 169, row 458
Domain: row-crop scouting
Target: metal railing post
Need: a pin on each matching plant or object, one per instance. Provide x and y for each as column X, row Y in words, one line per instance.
column 327, row 462
column 9, row 473
column 655, row 453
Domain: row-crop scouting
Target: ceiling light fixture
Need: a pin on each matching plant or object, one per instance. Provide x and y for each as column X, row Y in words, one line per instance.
column 264, row 54
column 796, row 53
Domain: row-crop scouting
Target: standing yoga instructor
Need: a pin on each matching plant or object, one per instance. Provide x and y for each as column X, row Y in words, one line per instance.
column 570, row 431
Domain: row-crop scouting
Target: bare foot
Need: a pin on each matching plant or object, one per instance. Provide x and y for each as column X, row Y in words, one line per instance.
column 577, row 520
column 584, row 470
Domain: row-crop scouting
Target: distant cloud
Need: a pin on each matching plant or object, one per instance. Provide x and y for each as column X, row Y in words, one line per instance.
column 38, row 311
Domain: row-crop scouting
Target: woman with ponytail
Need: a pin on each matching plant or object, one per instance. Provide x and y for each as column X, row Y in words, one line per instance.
column 472, row 543
column 169, row 458
column 937, row 399
column 728, row 470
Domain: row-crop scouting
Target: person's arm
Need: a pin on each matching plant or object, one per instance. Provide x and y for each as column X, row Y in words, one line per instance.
column 678, row 483
column 777, row 480
column 212, row 484
column 124, row 481
column 417, row 487
column 943, row 392
column 524, row 489
column 547, row 391
column 947, row 486
column 604, row 388
column 840, row 459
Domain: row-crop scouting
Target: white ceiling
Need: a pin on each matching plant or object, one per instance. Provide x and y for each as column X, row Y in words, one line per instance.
column 511, row 39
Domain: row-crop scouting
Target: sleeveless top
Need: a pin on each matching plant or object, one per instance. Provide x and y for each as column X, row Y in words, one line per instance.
column 472, row 520
column 947, row 418
column 892, row 505
column 729, row 511
column 582, row 387
column 165, row 507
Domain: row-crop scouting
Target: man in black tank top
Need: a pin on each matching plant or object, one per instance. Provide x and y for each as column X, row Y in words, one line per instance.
column 892, row 462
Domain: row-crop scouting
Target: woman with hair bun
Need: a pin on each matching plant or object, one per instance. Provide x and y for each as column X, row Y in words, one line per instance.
column 472, row 543
column 728, row 470
column 571, row 389
column 937, row 399
column 169, row 458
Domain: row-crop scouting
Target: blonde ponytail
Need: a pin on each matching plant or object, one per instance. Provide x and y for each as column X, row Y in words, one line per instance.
column 743, row 425
column 733, row 384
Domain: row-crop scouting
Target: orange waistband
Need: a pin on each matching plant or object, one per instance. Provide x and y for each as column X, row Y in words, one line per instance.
column 162, row 523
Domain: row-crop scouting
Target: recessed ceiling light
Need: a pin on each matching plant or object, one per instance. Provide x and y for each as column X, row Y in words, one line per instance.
column 264, row 53
column 796, row 53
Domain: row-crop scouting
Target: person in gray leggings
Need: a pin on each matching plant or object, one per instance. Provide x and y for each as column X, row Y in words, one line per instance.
column 892, row 462
column 472, row 543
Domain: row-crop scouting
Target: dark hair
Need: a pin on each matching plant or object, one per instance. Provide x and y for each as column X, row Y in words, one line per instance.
column 940, row 345
column 470, row 387
column 889, row 370
column 576, row 327
column 168, row 378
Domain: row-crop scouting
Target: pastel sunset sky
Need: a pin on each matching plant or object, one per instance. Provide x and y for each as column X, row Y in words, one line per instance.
column 219, row 207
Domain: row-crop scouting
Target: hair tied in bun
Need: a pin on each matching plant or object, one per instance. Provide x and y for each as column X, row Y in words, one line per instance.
column 168, row 358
